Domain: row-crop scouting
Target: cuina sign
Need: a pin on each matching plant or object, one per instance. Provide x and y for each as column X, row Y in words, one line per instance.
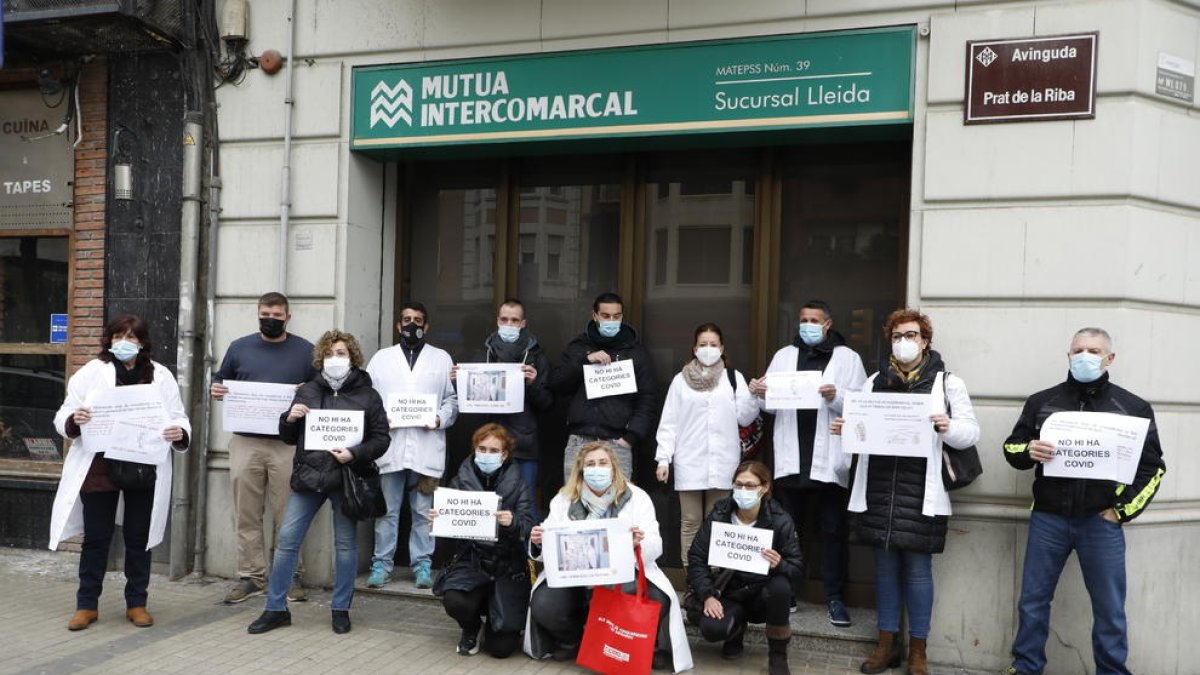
column 821, row 79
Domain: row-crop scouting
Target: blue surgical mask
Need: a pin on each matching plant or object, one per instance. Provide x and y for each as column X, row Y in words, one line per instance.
column 598, row 477
column 746, row 499
column 508, row 333
column 488, row 462
column 811, row 333
column 1085, row 367
column 124, row 350
column 609, row 328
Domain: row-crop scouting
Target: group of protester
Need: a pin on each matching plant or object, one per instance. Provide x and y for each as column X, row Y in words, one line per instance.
column 901, row 504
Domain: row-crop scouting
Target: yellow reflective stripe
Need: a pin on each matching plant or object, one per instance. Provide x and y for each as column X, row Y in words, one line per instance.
column 1120, row 489
column 1015, row 448
column 1139, row 502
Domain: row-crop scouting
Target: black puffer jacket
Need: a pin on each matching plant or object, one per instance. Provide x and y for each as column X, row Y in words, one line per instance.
column 629, row 416
column 896, row 485
column 320, row 471
column 744, row 585
column 1075, row 497
column 502, row 562
column 522, row 426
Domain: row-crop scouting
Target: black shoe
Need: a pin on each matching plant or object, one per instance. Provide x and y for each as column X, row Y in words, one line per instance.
column 838, row 614
column 468, row 643
column 270, row 621
column 566, row 653
column 341, row 621
column 733, row 647
column 661, row 661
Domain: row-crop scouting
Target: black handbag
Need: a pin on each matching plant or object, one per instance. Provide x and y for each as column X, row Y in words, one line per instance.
column 362, row 492
column 960, row 468
column 132, row 476
column 693, row 606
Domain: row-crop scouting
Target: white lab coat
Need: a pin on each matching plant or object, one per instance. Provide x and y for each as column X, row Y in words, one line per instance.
column 698, row 432
column 829, row 464
column 962, row 432
column 639, row 512
column 66, row 518
column 416, row 448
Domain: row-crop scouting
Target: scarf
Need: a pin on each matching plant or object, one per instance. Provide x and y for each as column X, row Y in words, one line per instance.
column 701, row 377
column 509, row 352
column 142, row 372
column 335, row 383
column 597, row 505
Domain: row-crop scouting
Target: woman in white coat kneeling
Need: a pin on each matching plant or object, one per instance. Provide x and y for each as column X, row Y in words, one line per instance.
column 96, row 492
column 595, row 489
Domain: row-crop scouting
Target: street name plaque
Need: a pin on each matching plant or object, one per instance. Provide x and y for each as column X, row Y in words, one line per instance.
column 1031, row 79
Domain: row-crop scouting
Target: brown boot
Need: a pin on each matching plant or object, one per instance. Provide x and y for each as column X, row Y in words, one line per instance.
column 778, row 638
column 139, row 616
column 917, row 664
column 82, row 619
column 886, row 655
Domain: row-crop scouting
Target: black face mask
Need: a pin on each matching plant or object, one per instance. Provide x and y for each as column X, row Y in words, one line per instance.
column 412, row 335
column 271, row 328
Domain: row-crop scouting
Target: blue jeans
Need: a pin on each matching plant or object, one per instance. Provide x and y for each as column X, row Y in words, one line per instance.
column 1100, row 545
column 904, row 577
column 420, row 537
column 301, row 508
column 529, row 474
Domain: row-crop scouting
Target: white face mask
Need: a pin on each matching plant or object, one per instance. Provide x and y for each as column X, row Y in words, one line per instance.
column 708, row 355
column 906, row 351
column 337, row 366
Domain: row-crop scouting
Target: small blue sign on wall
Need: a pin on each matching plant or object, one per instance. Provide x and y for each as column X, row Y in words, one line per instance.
column 58, row 329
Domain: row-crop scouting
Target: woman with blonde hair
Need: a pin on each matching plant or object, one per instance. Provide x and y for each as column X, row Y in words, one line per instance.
column 596, row 488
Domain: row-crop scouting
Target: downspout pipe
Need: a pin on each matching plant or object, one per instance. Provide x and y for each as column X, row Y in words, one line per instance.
column 200, row 546
column 285, row 178
column 193, row 156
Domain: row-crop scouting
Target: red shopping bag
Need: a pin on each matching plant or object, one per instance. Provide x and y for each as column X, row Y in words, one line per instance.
column 618, row 638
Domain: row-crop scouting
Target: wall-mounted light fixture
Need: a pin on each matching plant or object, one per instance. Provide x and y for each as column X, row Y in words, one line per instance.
column 122, row 167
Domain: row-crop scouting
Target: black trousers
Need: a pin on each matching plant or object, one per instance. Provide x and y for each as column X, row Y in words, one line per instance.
column 830, row 501
column 770, row 605
column 99, row 521
column 468, row 608
column 562, row 612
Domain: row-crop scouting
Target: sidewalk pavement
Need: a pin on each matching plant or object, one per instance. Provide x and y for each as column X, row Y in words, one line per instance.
column 195, row 633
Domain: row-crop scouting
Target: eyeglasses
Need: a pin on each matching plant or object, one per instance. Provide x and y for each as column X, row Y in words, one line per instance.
column 746, row 486
column 910, row 335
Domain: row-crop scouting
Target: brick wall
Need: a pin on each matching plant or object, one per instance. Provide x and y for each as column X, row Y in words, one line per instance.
column 91, row 178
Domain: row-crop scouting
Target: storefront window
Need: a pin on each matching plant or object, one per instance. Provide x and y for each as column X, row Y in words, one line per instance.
column 33, row 285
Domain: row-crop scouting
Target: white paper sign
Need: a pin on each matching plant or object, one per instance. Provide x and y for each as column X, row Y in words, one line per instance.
column 588, row 553
column 797, row 390
column 411, row 410
column 739, row 547
column 255, row 407
column 887, row 424
column 1104, row 446
column 490, row 388
column 127, row 423
column 329, row 429
column 614, row 379
column 465, row 514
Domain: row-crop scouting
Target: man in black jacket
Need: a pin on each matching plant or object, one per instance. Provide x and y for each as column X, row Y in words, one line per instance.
column 1079, row 514
column 513, row 342
column 623, row 420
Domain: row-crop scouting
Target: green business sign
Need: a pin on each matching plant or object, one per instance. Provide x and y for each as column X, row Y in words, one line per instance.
column 819, row 79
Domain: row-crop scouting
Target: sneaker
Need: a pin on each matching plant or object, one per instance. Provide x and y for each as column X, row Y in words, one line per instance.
column 244, row 589
column 1011, row 670
column 297, row 593
column 379, row 576
column 792, row 607
column 838, row 614
column 468, row 644
column 423, row 575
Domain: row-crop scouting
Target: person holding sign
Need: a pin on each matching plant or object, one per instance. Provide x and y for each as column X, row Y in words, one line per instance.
column 622, row 419
column 93, row 486
column 809, row 471
column 417, row 456
column 260, row 465
column 1079, row 514
column 698, row 430
column 903, row 502
column 731, row 598
column 597, row 489
column 490, row 578
column 317, row 476
column 513, row 342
